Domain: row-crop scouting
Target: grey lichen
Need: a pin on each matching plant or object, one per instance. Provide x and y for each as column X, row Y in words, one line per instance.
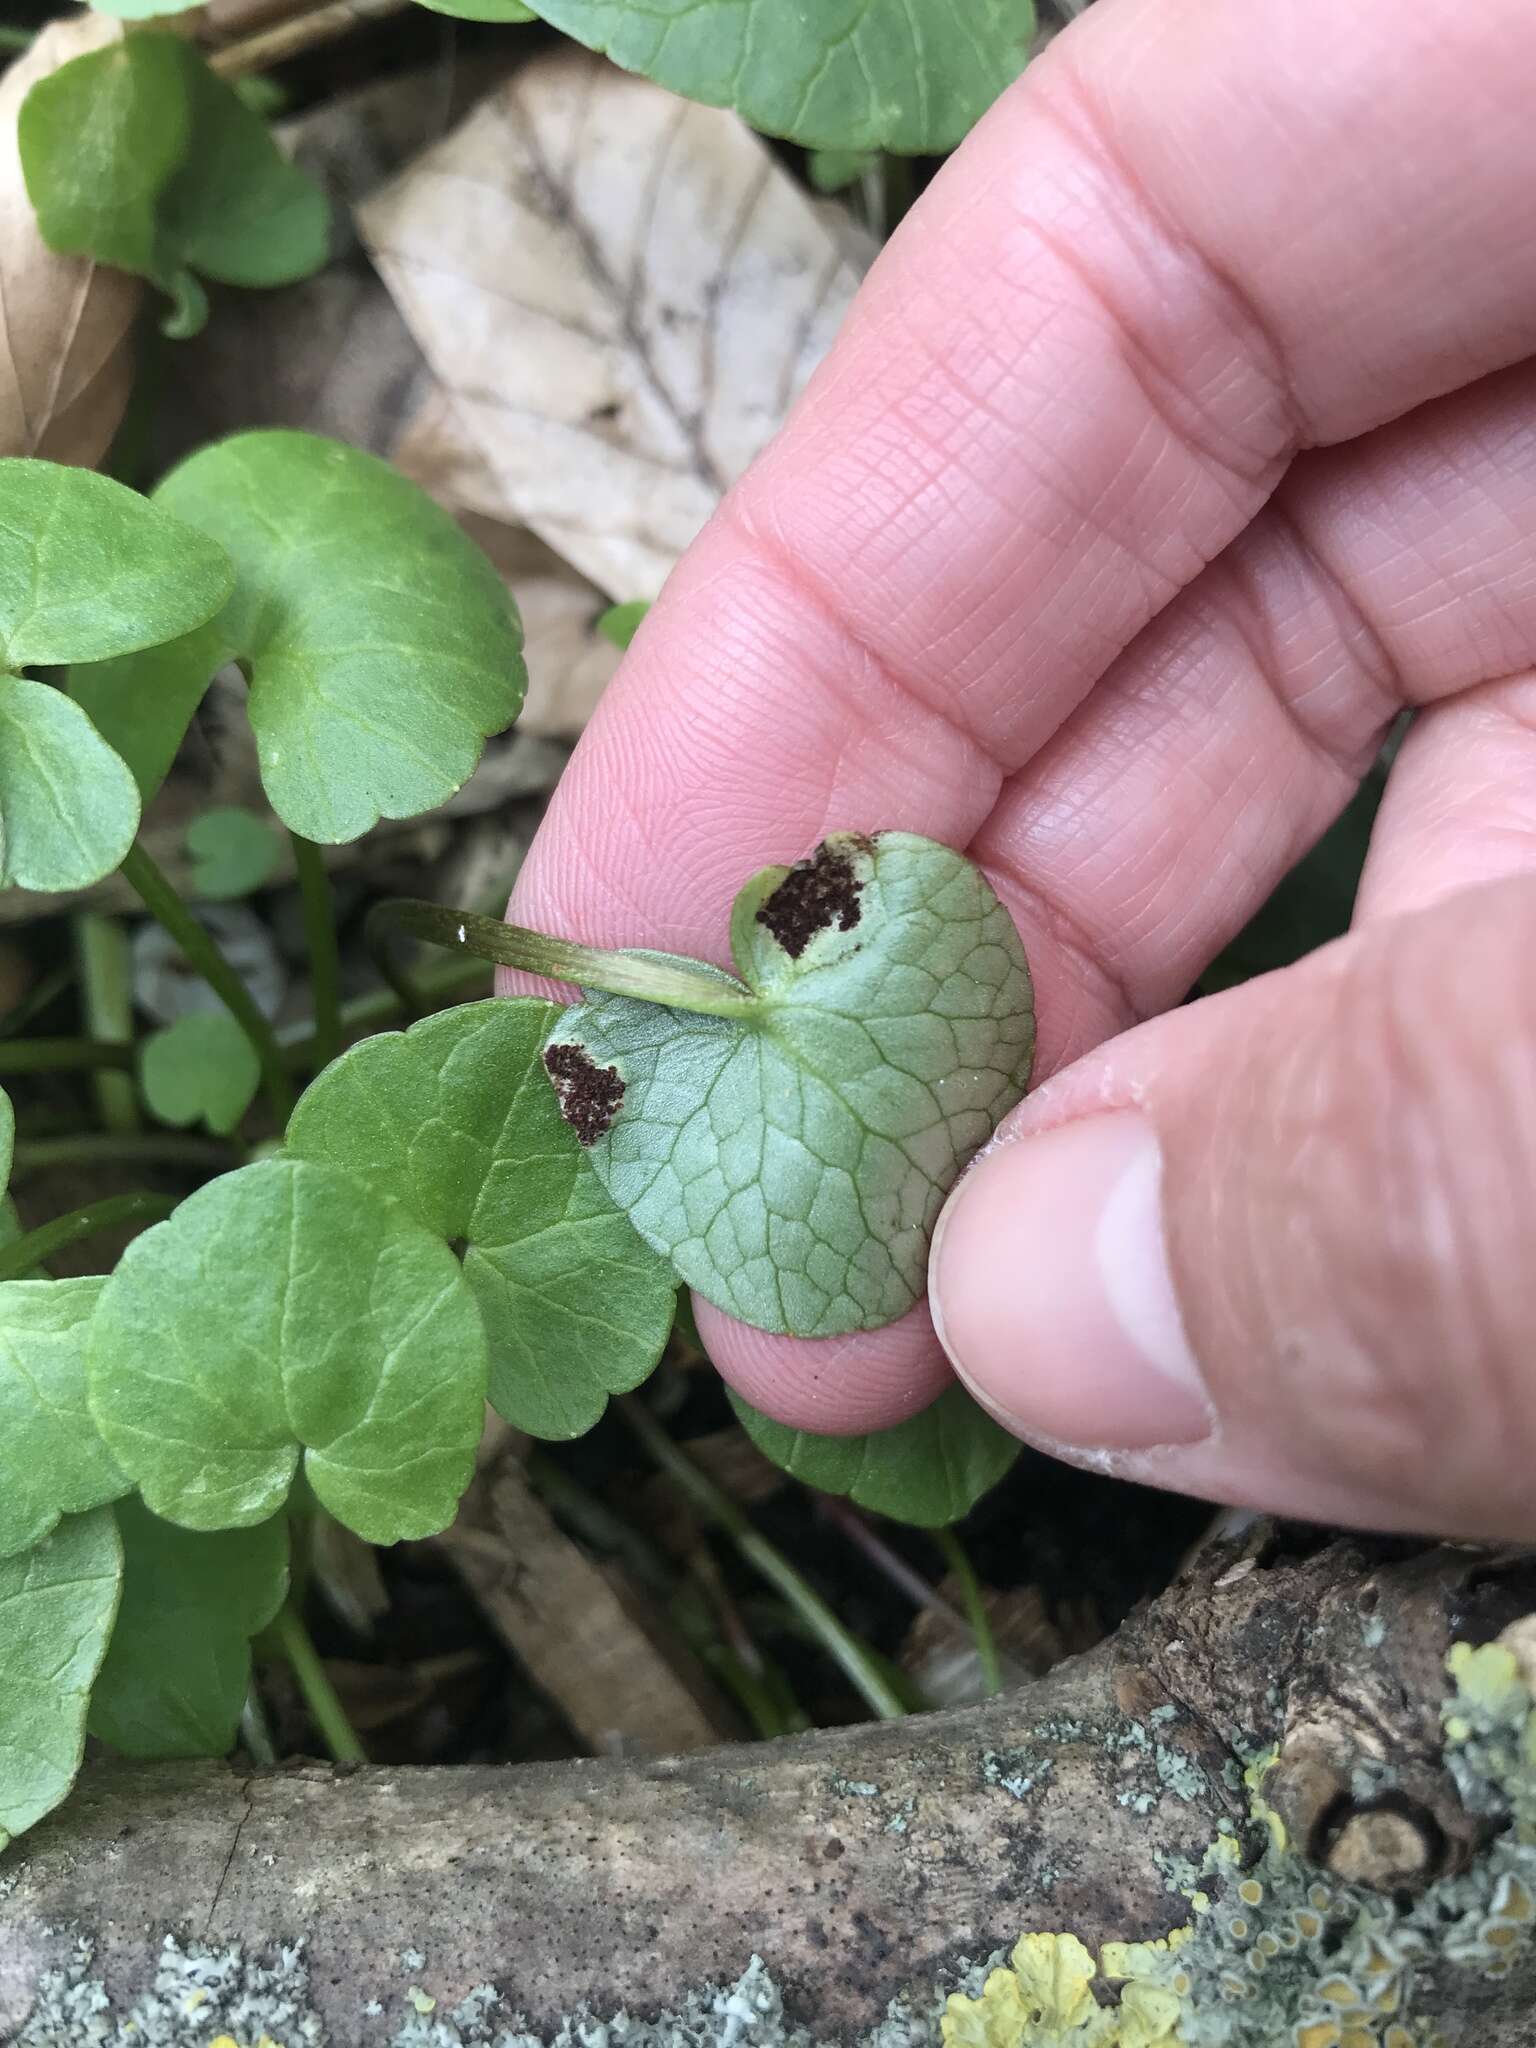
column 201, row 1998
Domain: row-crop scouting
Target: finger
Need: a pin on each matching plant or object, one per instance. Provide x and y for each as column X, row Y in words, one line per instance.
column 1460, row 805
column 1173, row 254
column 1399, row 570
column 1273, row 1248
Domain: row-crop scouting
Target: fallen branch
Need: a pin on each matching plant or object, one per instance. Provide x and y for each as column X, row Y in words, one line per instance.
column 860, row 1863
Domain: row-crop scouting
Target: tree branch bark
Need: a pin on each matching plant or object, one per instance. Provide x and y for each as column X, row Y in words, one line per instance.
column 856, row 1862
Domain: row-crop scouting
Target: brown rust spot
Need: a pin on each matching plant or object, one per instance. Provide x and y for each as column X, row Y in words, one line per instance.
column 815, row 895
column 589, row 1095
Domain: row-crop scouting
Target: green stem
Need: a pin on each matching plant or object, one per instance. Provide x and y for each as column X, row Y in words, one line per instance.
column 51, row 1238
column 674, row 984
column 14, row 38
column 855, row 1658
column 142, row 1148
column 320, row 938
column 975, row 1606
column 320, row 1697
column 60, row 1055
column 166, row 907
column 36, row 1000
column 106, row 987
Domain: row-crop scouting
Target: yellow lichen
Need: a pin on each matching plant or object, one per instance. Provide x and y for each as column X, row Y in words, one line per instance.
column 1044, row 2000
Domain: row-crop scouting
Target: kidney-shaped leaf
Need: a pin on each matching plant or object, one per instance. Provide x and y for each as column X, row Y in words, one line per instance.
column 52, row 1462
column 930, row 1470
column 138, row 156
column 89, row 569
column 791, row 1161
column 202, row 1068
column 907, row 75
column 282, row 1312
column 456, row 1119
column 69, row 807
column 57, row 1605
column 382, row 646
column 179, row 1665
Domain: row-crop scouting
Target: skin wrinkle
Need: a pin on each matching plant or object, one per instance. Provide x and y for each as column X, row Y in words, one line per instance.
column 1415, row 274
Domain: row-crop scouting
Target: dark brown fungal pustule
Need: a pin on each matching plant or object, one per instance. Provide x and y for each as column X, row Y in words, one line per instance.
column 588, row 1095
column 816, row 895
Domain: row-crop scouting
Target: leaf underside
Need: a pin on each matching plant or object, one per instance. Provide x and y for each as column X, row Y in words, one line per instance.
column 929, row 1471
column 455, row 1119
column 281, row 1314
column 906, row 75
column 792, row 1164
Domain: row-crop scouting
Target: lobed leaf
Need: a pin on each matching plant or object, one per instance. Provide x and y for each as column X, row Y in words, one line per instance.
column 281, row 1314
column 382, row 647
column 89, row 569
column 139, row 156
column 455, row 1119
column 179, row 1665
column 58, row 1602
column 52, row 1461
column 201, row 1069
column 69, row 808
column 791, row 1161
column 907, row 75
column 929, row 1471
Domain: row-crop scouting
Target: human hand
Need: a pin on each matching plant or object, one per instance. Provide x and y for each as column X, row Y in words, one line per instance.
column 1184, row 434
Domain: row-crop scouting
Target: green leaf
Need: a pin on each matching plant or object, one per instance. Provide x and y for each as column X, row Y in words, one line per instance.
column 233, row 853
column 68, row 806
column 930, row 1470
column 834, row 170
column 382, row 646
column 281, row 1313
column 7, row 1139
column 456, row 1119
column 906, row 75
column 202, row 1068
column 621, row 622
column 179, row 1666
column 89, row 569
column 481, row 10
column 57, row 1605
column 791, row 1162
column 143, row 704
column 138, row 156
column 52, row 1462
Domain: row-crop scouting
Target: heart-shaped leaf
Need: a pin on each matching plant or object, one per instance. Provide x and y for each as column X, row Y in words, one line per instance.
column 455, row 1118
column 907, row 75
column 202, row 1068
column 138, row 156
column 930, row 1470
column 284, row 1312
column 790, row 1159
column 68, row 806
column 233, row 853
column 142, row 704
column 52, row 1462
column 179, row 1666
column 382, row 646
column 57, row 1605
column 89, row 569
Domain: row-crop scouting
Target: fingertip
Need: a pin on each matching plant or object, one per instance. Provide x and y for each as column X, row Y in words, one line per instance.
column 834, row 1386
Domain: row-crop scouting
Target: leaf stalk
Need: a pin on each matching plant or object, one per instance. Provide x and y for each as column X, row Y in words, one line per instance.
column 51, row 1238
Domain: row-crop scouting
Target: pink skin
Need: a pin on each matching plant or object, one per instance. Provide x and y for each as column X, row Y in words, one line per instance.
column 1185, row 431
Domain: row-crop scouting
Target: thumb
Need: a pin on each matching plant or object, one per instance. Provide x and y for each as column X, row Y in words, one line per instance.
column 1277, row 1247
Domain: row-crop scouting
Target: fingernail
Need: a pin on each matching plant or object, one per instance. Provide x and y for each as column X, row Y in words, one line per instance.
column 1052, row 1292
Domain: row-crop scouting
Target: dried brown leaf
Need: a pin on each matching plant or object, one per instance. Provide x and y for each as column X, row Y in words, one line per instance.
column 621, row 293
column 66, row 355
